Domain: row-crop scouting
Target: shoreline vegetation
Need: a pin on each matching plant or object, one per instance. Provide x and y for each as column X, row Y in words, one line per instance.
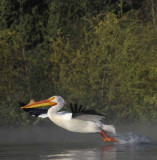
column 100, row 54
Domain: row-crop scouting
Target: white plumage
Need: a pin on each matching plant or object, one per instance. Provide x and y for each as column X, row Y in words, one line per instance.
column 82, row 122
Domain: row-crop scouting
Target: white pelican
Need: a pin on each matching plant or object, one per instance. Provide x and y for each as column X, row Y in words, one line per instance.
column 80, row 120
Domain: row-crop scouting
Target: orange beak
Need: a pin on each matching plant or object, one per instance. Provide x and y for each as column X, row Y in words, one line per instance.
column 47, row 102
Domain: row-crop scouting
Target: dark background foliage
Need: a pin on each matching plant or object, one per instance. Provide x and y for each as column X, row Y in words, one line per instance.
column 101, row 54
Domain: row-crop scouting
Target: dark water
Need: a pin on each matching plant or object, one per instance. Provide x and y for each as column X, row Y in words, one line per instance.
column 78, row 152
column 57, row 144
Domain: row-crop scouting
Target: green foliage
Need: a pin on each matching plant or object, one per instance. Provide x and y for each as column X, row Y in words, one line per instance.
column 115, row 73
column 101, row 54
column 22, row 77
column 11, row 65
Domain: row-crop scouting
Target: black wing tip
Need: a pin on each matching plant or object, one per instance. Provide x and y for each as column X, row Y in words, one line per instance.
column 33, row 111
column 76, row 110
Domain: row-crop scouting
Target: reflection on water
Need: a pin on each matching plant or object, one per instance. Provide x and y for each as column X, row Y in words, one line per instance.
column 57, row 144
column 54, row 152
column 78, row 152
column 107, row 152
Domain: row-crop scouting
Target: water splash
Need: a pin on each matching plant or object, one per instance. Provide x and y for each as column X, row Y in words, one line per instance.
column 131, row 138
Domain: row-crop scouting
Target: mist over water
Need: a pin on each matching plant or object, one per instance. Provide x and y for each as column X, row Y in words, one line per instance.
column 50, row 135
column 55, row 134
column 135, row 142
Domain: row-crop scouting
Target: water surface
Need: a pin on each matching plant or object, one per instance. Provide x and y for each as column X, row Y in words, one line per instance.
column 78, row 152
column 57, row 144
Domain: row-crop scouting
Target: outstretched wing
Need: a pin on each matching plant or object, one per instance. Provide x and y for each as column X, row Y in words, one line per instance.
column 84, row 114
column 42, row 113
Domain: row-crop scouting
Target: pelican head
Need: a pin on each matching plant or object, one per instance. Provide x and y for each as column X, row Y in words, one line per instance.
column 52, row 101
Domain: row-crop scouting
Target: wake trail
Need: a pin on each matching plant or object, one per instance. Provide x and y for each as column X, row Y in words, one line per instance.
column 131, row 138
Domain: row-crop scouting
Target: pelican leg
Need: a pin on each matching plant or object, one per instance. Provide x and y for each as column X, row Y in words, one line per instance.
column 106, row 138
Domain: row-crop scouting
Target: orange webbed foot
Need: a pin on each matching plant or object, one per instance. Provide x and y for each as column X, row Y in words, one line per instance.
column 106, row 138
